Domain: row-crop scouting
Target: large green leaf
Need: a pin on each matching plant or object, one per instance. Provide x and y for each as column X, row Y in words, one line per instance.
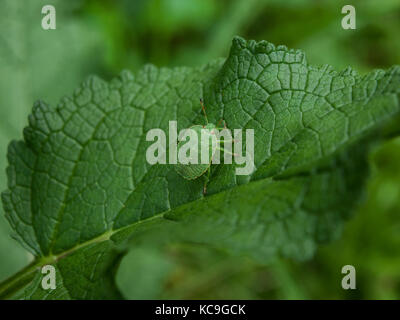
column 80, row 182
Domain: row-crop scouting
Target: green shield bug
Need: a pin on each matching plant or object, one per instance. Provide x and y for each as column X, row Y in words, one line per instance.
column 207, row 133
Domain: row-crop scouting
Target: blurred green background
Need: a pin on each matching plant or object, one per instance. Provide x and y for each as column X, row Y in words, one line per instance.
column 104, row 37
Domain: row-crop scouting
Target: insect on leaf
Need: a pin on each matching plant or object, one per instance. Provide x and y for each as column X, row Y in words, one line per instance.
column 79, row 182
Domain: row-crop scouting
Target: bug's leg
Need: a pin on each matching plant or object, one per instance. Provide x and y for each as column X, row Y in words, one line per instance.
column 206, row 182
column 218, row 127
column 219, row 122
column 204, row 109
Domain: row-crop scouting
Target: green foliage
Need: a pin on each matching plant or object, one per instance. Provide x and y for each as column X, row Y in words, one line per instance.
column 79, row 184
column 32, row 63
column 152, row 268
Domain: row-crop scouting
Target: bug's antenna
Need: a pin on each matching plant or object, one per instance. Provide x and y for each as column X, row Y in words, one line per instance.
column 204, row 109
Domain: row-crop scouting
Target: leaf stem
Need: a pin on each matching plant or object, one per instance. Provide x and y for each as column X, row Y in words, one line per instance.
column 13, row 284
column 19, row 280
